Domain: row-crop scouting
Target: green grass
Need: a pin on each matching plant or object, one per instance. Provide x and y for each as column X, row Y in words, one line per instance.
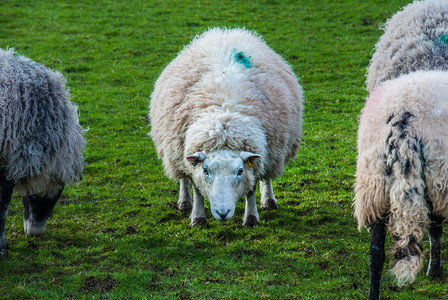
column 117, row 235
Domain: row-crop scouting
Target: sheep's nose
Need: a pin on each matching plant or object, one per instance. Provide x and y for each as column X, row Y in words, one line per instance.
column 223, row 214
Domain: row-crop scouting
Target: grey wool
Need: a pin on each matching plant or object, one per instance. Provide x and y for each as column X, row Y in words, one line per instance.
column 40, row 135
column 414, row 39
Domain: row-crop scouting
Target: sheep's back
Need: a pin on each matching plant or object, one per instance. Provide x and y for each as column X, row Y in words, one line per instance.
column 422, row 95
column 415, row 38
column 206, row 77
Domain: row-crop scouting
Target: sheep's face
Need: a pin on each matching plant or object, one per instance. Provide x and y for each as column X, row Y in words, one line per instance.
column 223, row 176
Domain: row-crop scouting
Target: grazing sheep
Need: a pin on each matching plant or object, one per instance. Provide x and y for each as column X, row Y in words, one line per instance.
column 402, row 172
column 226, row 113
column 41, row 141
column 415, row 38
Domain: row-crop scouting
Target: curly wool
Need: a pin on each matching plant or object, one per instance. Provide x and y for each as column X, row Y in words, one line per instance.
column 227, row 89
column 41, row 141
column 415, row 38
column 403, row 158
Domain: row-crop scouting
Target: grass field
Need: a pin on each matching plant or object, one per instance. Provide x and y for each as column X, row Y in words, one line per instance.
column 117, row 234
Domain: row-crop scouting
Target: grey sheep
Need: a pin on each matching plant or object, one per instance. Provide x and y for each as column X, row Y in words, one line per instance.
column 415, row 38
column 41, row 141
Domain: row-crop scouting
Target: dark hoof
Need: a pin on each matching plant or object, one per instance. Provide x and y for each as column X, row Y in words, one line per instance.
column 271, row 203
column 184, row 207
column 435, row 271
column 4, row 252
column 251, row 221
column 202, row 221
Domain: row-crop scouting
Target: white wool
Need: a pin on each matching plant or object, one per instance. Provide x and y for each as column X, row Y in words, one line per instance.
column 403, row 158
column 205, row 98
column 406, row 270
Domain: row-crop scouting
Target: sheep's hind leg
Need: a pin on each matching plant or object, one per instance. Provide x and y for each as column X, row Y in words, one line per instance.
column 377, row 256
column 184, row 204
column 198, row 213
column 435, row 268
column 268, row 200
column 37, row 210
column 7, row 187
column 251, row 214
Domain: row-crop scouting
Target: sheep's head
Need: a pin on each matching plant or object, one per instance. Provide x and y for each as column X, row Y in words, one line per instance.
column 223, row 176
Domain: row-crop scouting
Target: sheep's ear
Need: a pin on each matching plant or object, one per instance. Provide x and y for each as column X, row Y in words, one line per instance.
column 249, row 157
column 196, row 158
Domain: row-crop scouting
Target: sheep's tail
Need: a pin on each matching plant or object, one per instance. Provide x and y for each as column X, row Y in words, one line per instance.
column 408, row 218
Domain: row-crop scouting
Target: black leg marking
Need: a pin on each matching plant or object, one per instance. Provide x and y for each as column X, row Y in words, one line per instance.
column 37, row 209
column 7, row 187
column 435, row 268
column 377, row 256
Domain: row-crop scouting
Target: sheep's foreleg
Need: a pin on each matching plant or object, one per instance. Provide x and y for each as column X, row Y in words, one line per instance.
column 435, row 268
column 7, row 187
column 377, row 256
column 251, row 214
column 198, row 213
column 37, row 209
column 268, row 200
column 184, row 204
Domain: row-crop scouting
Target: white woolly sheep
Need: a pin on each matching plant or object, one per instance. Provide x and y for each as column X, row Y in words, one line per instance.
column 402, row 172
column 41, row 141
column 226, row 113
column 415, row 38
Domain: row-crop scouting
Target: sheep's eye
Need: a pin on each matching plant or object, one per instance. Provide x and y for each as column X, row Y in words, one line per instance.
column 240, row 172
column 205, row 171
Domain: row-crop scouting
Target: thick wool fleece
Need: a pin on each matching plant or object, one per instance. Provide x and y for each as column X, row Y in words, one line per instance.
column 227, row 90
column 41, row 141
column 415, row 38
column 403, row 158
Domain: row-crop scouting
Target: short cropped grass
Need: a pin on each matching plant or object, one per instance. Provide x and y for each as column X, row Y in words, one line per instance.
column 117, row 234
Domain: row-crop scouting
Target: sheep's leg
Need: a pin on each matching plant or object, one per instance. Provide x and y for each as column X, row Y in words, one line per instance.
column 377, row 256
column 184, row 204
column 37, row 210
column 198, row 213
column 7, row 187
column 268, row 200
column 251, row 213
column 435, row 268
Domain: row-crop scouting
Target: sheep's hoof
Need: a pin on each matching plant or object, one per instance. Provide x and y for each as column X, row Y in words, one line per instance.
column 435, row 271
column 270, row 203
column 251, row 221
column 34, row 229
column 201, row 221
column 4, row 252
column 184, row 206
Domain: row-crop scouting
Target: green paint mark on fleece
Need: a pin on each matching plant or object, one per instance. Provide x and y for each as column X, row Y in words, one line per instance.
column 241, row 58
column 443, row 40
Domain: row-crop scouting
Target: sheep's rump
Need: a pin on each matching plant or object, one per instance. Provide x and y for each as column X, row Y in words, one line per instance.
column 415, row 38
column 230, row 72
column 414, row 110
column 41, row 140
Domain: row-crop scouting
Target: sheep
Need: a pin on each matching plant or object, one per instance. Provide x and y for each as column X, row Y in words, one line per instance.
column 415, row 38
column 402, row 172
column 225, row 114
column 41, row 141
